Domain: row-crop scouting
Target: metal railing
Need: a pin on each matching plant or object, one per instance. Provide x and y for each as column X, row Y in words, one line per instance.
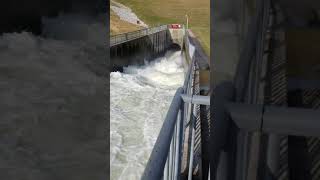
column 121, row 38
column 165, row 159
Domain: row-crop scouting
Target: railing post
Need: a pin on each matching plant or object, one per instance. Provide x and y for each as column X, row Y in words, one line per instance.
column 166, row 170
column 179, row 145
column 218, row 135
column 193, row 131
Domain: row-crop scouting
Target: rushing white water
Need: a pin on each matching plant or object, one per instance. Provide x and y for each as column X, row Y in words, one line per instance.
column 139, row 100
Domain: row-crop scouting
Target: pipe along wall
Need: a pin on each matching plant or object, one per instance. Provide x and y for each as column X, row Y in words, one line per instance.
column 137, row 51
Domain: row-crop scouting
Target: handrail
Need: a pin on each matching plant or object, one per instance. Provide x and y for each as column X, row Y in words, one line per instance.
column 166, row 153
column 155, row 166
column 121, row 38
column 275, row 119
column 165, row 159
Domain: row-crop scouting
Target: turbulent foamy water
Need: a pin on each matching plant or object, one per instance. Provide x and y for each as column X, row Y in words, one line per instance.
column 139, row 100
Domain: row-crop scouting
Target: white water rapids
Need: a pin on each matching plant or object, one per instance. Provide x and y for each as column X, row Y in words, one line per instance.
column 139, row 100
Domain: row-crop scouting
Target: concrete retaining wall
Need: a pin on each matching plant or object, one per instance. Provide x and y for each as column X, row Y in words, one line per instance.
column 177, row 36
column 146, row 48
column 137, row 51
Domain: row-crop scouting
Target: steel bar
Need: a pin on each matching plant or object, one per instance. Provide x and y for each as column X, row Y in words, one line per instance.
column 295, row 83
column 253, row 158
column 196, row 99
column 246, row 116
column 181, row 140
column 178, row 146
column 218, row 136
column 241, row 143
column 273, row 154
column 166, row 171
column 291, row 121
column 157, row 160
column 278, row 120
column 222, row 170
column 193, row 121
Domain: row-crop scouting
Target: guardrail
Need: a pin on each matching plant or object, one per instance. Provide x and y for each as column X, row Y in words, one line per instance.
column 121, row 38
column 165, row 159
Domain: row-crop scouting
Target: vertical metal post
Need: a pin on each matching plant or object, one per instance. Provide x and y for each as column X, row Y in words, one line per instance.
column 173, row 151
column 166, row 171
column 178, row 146
column 222, row 170
column 253, row 161
column 192, row 125
column 218, row 134
column 240, row 169
column 170, row 160
column 187, row 21
column 273, row 154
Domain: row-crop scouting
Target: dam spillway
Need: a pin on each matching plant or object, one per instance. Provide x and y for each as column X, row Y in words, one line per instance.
column 140, row 98
column 148, row 66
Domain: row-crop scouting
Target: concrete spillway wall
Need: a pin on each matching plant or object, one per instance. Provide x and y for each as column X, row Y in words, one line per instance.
column 177, row 36
column 145, row 48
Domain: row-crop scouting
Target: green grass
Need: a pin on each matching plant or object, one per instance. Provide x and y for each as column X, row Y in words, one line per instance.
column 117, row 26
column 157, row 12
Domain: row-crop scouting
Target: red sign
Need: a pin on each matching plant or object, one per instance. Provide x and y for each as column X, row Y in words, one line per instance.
column 175, row 26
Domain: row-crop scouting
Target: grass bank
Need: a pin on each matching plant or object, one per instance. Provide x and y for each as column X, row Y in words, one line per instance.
column 118, row 26
column 156, row 12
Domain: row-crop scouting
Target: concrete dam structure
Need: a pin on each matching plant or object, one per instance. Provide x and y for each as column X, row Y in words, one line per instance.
column 134, row 48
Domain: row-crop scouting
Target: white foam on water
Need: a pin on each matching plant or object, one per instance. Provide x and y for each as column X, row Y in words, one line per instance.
column 139, row 100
